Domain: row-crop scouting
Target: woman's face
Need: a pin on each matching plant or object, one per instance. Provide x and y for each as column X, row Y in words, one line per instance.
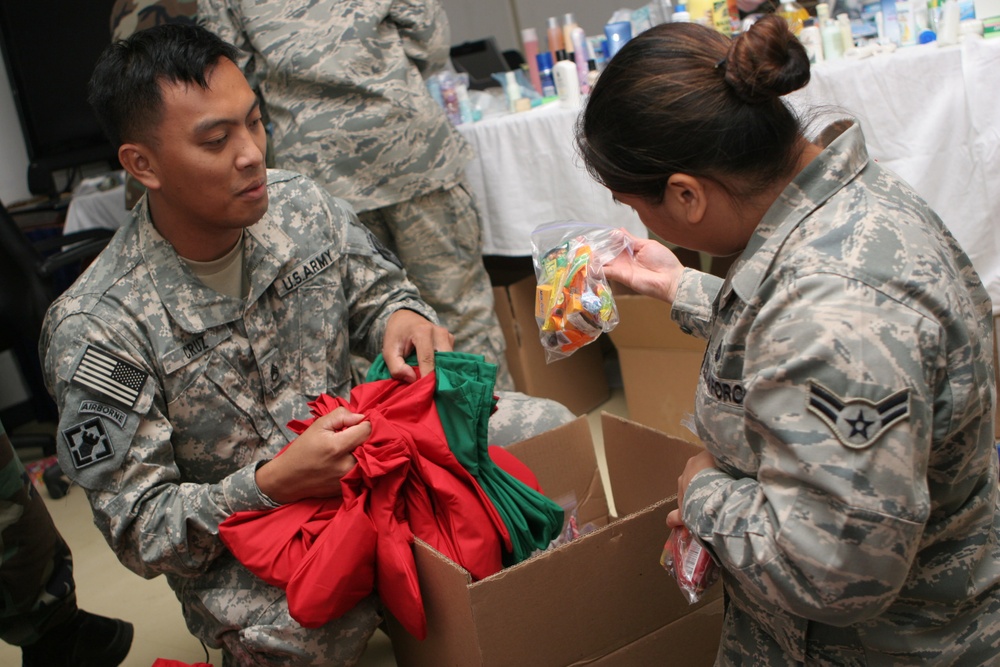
column 656, row 217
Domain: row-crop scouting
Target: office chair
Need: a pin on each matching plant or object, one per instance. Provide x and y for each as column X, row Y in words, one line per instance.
column 32, row 275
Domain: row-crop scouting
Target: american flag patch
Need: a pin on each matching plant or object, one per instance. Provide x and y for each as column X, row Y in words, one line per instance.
column 110, row 376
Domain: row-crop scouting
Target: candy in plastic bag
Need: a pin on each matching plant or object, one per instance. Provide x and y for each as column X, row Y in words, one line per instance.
column 687, row 561
column 573, row 301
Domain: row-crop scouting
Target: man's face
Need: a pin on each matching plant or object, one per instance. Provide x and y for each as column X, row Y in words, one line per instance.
column 207, row 156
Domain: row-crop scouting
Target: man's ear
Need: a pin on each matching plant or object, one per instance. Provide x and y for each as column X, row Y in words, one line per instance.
column 137, row 160
column 686, row 195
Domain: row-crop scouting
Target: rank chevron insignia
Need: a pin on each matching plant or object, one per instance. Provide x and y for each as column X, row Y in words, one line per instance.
column 858, row 422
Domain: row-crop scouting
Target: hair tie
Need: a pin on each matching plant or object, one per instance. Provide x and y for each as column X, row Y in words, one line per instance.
column 721, row 64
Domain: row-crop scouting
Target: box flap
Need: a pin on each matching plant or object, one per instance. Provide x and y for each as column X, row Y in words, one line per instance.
column 581, row 601
column 564, row 461
column 645, row 322
column 643, row 463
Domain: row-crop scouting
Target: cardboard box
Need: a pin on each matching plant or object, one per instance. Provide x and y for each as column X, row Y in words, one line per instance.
column 659, row 363
column 578, row 381
column 602, row 599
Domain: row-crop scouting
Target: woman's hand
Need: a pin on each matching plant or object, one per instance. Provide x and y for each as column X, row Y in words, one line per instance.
column 408, row 331
column 313, row 464
column 651, row 269
column 700, row 461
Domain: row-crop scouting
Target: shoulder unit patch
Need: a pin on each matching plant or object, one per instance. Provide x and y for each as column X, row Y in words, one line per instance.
column 88, row 442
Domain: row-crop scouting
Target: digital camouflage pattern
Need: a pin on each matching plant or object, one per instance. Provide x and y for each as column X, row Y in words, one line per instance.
column 171, row 394
column 342, row 84
column 167, row 444
column 847, row 394
column 37, row 591
column 129, row 16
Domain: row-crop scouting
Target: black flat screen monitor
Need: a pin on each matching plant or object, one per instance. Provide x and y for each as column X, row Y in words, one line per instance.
column 50, row 48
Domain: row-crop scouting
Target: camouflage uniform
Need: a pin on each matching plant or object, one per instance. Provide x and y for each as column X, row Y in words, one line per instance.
column 171, row 394
column 342, row 85
column 37, row 591
column 167, row 444
column 847, row 394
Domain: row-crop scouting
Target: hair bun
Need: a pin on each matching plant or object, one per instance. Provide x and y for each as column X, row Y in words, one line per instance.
column 766, row 62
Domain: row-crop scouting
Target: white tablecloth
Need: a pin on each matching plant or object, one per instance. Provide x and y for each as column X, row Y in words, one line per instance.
column 932, row 115
column 527, row 172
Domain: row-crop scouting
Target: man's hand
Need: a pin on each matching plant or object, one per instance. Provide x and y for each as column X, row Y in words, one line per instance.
column 406, row 332
column 651, row 269
column 700, row 461
column 312, row 465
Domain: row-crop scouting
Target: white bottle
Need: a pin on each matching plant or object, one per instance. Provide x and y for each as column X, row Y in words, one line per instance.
column 567, row 83
column 833, row 43
column 813, row 41
column 680, row 14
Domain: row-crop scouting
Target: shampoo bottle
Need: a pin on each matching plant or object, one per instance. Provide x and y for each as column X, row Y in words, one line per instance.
column 569, row 23
column 529, row 38
column 555, row 36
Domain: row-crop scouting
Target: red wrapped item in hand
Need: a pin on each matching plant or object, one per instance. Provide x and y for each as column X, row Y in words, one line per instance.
column 689, row 563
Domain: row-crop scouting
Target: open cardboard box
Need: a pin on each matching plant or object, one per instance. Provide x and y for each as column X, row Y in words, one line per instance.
column 578, row 381
column 659, row 363
column 602, row 599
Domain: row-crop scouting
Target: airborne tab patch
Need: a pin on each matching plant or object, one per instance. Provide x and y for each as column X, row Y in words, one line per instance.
column 858, row 422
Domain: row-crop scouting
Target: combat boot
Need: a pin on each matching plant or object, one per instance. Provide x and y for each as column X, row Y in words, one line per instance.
column 85, row 640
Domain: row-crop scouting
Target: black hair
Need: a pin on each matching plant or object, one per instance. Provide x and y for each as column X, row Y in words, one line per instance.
column 683, row 98
column 124, row 89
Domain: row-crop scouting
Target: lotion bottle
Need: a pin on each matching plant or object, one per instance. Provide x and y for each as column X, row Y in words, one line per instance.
column 567, row 83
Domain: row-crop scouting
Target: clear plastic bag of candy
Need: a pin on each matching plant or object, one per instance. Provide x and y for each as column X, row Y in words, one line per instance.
column 687, row 561
column 573, row 301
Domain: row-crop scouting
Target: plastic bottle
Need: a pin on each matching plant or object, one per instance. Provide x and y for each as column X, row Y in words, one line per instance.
column 569, row 23
column 846, row 35
column 567, row 83
column 907, row 26
column 833, row 43
column 529, row 39
column 512, row 89
column 579, row 38
column 464, row 104
column 680, row 14
column 555, row 36
column 701, row 11
column 450, row 98
column 545, row 74
column 592, row 73
column 951, row 16
column 794, row 13
column 720, row 17
column 812, row 39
